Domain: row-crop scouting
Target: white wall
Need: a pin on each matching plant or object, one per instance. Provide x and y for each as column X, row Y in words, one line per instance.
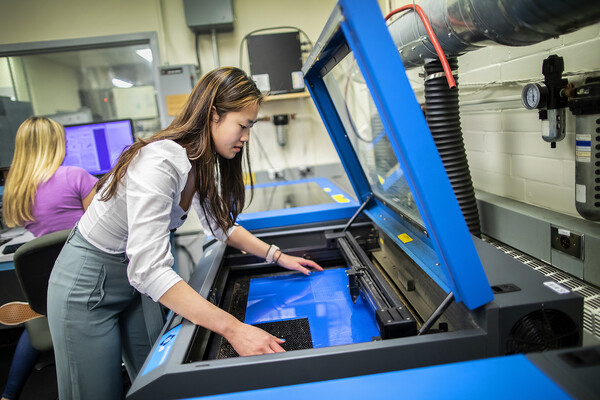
column 308, row 141
column 40, row 20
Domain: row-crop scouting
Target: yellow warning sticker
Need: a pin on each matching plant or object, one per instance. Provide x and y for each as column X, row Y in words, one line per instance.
column 247, row 177
column 381, row 180
column 405, row 238
column 340, row 198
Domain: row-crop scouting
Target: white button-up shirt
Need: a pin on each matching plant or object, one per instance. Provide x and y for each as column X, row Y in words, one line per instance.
column 139, row 217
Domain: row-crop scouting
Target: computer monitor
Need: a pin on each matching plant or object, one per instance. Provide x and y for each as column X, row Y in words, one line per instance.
column 96, row 146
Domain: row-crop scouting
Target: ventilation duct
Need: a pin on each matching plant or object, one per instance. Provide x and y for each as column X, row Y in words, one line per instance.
column 465, row 25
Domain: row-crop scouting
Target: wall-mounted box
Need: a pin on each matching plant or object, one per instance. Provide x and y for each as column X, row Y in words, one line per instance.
column 276, row 62
column 202, row 16
column 175, row 84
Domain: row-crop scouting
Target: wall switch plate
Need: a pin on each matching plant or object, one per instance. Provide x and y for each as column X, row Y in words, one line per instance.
column 568, row 242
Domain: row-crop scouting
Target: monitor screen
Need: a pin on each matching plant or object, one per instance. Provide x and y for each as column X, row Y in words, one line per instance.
column 96, row 146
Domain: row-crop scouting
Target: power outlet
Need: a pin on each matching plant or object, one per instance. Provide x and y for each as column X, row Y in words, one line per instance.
column 305, row 171
column 568, row 242
column 276, row 174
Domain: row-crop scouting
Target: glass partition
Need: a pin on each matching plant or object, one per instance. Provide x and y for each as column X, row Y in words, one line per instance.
column 84, row 85
column 79, row 81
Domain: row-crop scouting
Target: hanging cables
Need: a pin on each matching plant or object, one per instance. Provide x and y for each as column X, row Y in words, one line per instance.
column 432, row 37
column 263, row 152
column 198, row 56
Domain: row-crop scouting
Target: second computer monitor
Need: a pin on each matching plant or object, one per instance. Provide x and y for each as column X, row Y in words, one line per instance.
column 96, row 146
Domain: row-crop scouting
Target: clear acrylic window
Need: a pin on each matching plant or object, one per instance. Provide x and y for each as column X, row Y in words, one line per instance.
column 363, row 126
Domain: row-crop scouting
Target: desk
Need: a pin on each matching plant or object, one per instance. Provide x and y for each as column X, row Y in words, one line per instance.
column 10, row 289
column 16, row 235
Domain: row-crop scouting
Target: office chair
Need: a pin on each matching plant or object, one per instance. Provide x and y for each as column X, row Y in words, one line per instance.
column 33, row 263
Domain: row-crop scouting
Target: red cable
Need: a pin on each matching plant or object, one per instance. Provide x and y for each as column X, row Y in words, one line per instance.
column 432, row 37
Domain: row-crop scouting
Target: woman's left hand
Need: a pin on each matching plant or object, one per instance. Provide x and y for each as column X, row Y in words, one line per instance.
column 298, row 263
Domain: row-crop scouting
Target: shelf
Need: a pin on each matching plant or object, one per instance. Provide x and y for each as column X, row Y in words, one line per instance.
column 287, row 96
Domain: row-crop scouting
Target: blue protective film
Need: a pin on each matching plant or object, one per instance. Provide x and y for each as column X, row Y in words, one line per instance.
column 322, row 297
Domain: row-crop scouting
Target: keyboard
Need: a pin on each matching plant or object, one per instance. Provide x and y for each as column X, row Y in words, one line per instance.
column 11, row 248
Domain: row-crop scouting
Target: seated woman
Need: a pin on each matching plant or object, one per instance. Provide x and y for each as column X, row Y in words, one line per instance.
column 44, row 197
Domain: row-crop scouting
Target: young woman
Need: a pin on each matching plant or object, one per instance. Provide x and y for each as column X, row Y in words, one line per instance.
column 122, row 241
column 44, row 197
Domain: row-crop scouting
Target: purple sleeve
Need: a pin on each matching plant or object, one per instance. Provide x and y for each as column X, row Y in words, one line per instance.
column 81, row 181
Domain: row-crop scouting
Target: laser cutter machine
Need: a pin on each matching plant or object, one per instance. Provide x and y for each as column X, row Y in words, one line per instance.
column 405, row 285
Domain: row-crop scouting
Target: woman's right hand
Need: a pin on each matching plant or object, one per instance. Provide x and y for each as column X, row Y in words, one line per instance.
column 249, row 340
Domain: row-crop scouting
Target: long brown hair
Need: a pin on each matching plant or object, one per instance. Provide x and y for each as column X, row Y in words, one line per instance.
column 39, row 150
column 219, row 183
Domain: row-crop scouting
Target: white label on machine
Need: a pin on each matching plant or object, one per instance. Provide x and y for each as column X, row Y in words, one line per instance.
column 564, row 232
column 263, row 82
column 583, row 148
column 556, row 287
column 580, row 193
column 297, row 80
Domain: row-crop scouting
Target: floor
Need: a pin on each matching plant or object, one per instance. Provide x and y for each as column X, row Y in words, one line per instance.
column 41, row 384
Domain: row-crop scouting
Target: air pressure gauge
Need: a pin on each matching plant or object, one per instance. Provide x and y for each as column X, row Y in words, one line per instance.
column 534, row 95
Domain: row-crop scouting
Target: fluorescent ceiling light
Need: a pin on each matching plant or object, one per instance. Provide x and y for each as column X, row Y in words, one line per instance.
column 146, row 54
column 121, row 83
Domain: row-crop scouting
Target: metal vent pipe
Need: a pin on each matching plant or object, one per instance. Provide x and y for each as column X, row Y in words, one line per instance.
column 465, row 25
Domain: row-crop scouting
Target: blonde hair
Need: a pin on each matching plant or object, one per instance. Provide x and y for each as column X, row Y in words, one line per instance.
column 40, row 147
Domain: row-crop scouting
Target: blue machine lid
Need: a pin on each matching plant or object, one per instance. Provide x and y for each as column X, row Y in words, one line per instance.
column 303, row 201
column 359, row 85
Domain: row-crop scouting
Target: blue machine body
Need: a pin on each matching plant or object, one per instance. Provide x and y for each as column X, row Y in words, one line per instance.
column 444, row 248
column 162, row 350
column 340, row 206
column 480, row 379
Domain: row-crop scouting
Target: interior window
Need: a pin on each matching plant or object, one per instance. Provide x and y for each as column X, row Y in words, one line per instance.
column 78, row 84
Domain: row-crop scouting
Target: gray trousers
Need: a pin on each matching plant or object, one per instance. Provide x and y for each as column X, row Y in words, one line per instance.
column 96, row 321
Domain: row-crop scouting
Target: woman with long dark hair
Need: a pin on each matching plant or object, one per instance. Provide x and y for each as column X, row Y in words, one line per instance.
column 120, row 247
